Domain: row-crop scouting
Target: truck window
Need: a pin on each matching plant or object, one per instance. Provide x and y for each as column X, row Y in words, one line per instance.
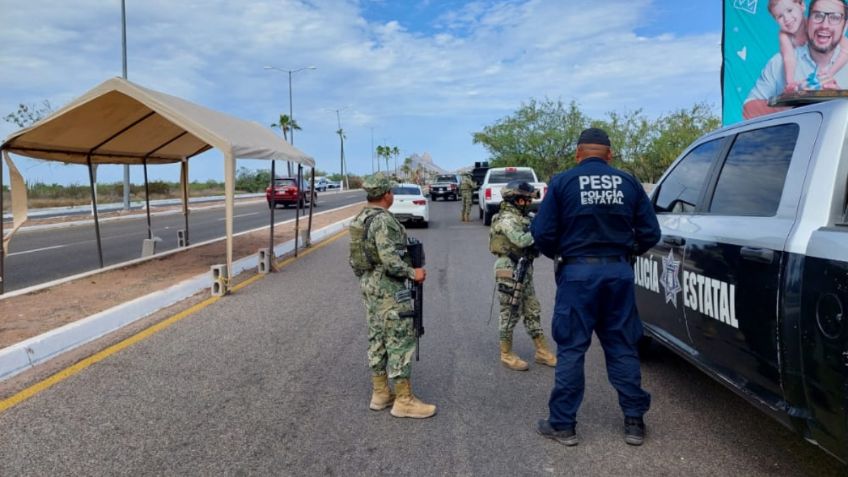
column 681, row 190
column 752, row 177
column 504, row 176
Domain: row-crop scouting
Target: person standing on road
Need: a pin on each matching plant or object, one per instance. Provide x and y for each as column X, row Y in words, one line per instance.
column 593, row 219
column 466, row 188
column 379, row 258
column 510, row 241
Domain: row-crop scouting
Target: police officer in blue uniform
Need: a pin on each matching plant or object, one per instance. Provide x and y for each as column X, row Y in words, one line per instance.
column 592, row 221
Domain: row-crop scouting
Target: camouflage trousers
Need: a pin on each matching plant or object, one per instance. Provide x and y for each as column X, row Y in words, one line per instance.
column 391, row 339
column 529, row 309
column 466, row 203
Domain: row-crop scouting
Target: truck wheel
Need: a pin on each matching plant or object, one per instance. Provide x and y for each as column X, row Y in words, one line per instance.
column 487, row 218
column 481, row 213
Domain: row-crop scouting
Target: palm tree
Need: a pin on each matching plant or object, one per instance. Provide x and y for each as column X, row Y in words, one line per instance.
column 395, row 152
column 407, row 167
column 384, row 152
column 287, row 124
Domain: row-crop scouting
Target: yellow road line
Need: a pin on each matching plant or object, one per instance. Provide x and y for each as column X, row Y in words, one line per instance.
column 146, row 333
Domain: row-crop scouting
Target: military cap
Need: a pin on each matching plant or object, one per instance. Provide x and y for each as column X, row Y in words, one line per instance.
column 377, row 185
column 594, row 136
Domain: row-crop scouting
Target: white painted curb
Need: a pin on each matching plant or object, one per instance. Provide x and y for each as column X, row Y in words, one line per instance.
column 26, row 354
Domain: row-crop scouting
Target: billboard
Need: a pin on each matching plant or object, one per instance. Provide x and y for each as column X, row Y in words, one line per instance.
column 778, row 49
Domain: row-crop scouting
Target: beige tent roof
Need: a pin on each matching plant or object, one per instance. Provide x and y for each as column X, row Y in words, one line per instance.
column 119, row 122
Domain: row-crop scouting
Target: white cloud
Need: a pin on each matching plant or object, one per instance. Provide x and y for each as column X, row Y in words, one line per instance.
column 425, row 89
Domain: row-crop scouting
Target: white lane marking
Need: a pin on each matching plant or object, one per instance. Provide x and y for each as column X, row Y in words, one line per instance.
column 35, row 250
column 239, row 215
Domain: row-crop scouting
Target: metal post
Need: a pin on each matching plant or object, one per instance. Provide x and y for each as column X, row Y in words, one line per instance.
column 2, row 245
column 147, row 200
column 94, row 210
column 311, row 205
column 124, row 51
column 273, row 206
column 297, row 211
column 184, row 173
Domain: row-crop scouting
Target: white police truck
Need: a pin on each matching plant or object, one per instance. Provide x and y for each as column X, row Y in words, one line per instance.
column 750, row 279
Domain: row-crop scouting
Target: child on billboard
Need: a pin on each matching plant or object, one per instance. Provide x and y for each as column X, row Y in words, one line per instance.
column 789, row 14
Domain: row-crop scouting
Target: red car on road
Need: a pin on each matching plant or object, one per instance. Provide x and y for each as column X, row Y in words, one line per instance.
column 287, row 192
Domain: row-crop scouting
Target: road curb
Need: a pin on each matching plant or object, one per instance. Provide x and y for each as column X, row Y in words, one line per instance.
column 38, row 349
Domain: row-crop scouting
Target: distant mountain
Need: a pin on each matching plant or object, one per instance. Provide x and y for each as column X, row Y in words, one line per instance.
column 426, row 163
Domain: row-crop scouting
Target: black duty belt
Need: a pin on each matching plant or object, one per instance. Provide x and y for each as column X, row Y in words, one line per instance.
column 594, row 260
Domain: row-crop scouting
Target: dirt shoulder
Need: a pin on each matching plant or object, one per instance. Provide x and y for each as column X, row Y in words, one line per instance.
column 29, row 315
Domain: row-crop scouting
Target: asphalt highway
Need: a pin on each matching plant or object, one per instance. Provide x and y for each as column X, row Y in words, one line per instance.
column 273, row 381
column 41, row 255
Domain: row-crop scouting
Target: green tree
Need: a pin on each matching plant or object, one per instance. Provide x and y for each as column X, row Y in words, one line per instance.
column 542, row 135
column 631, row 135
column 672, row 134
column 29, row 114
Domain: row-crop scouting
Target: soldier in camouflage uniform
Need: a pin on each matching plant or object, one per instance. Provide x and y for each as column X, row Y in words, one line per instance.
column 510, row 239
column 379, row 258
column 466, row 188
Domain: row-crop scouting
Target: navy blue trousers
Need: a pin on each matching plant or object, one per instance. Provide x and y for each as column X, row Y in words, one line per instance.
column 599, row 298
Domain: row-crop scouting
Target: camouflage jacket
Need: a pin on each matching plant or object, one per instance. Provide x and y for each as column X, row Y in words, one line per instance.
column 467, row 185
column 390, row 240
column 510, row 231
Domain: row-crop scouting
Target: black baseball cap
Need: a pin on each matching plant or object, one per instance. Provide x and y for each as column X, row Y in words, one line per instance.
column 594, row 136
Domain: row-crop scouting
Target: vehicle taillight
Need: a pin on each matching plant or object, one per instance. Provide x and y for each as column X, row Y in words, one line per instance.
column 420, row 201
column 511, row 169
column 453, row 186
column 488, row 193
column 544, row 191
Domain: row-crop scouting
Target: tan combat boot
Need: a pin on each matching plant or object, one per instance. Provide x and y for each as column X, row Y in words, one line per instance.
column 510, row 359
column 382, row 396
column 543, row 354
column 407, row 405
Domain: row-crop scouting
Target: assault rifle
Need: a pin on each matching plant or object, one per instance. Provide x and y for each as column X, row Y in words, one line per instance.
column 519, row 273
column 416, row 253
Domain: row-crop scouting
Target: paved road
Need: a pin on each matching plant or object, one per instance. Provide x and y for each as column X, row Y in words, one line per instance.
column 273, row 381
column 38, row 256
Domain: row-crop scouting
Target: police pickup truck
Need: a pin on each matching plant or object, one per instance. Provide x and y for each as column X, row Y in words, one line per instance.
column 489, row 194
column 750, row 279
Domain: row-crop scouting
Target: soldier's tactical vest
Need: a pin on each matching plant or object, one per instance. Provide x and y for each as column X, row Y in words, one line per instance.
column 363, row 252
column 499, row 244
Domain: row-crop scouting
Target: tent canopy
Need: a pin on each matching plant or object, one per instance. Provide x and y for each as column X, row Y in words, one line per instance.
column 119, row 122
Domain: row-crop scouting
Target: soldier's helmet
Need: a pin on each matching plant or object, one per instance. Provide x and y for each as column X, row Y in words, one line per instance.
column 377, row 185
column 515, row 190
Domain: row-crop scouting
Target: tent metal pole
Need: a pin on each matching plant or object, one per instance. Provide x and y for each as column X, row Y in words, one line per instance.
column 297, row 211
column 94, row 209
column 308, row 240
column 184, row 173
column 2, row 245
column 273, row 205
column 147, row 200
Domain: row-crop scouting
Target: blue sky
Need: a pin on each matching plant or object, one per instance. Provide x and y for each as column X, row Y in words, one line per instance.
column 423, row 75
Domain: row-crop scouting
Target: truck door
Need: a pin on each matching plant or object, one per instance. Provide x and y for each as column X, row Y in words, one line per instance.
column 732, row 269
column 658, row 272
column 824, row 338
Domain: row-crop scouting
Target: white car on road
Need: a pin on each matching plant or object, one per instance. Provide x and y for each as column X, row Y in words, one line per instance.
column 410, row 205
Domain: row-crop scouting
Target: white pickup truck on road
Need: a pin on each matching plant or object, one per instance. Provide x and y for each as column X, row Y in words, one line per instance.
column 489, row 195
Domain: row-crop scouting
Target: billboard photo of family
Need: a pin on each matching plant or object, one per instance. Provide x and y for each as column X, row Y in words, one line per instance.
column 774, row 49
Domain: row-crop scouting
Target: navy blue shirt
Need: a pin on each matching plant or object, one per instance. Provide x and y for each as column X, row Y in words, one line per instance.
column 595, row 210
